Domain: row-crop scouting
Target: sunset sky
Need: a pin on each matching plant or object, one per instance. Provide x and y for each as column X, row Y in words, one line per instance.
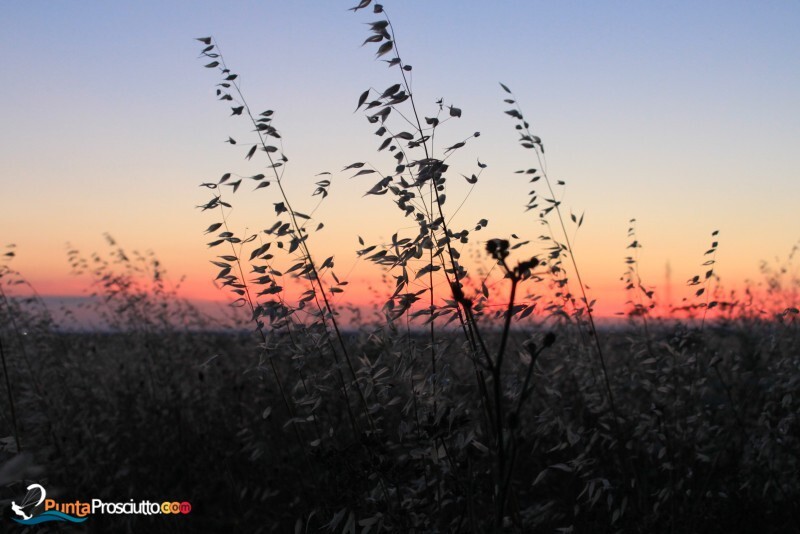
column 682, row 115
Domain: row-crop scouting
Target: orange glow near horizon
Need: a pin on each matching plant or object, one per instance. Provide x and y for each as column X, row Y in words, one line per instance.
column 370, row 293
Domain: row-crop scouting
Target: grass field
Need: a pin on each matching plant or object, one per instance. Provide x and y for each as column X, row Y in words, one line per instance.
column 706, row 440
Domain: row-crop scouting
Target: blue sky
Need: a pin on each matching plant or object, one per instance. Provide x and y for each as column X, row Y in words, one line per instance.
column 684, row 115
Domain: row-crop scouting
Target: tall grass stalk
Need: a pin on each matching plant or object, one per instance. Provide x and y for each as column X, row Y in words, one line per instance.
column 532, row 142
column 467, row 321
column 327, row 312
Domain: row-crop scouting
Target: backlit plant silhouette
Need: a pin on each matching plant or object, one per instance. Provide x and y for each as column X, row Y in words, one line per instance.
column 443, row 416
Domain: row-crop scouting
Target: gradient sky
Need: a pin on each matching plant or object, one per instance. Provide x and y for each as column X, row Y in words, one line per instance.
column 683, row 115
